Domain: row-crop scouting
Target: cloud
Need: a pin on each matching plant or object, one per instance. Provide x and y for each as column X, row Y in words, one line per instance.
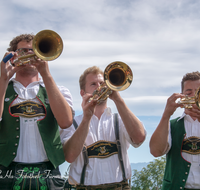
column 158, row 39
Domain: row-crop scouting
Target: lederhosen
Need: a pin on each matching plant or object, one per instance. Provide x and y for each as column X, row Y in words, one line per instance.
column 31, row 176
column 103, row 149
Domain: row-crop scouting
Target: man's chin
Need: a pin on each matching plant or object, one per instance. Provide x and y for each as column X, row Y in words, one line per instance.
column 28, row 69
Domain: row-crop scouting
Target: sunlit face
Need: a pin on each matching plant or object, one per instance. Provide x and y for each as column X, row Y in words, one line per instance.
column 93, row 81
column 190, row 87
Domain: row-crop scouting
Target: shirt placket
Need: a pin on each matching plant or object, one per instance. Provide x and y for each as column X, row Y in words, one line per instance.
column 100, row 137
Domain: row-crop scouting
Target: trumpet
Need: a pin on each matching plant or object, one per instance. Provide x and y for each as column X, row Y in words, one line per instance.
column 117, row 77
column 188, row 101
column 47, row 45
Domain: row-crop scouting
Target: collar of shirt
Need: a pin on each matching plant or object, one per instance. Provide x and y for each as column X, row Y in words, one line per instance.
column 107, row 111
column 187, row 117
column 182, row 116
column 28, row 92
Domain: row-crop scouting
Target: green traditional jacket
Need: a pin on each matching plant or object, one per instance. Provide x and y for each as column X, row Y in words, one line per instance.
column 177, row 169
column 10, row 130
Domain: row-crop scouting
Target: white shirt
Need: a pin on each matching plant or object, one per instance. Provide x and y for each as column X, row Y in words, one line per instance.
column 101, row 170
column 31, row 148
column 192, row 128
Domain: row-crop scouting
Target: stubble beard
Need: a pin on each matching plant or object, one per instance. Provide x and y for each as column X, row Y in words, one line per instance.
column 30, row 70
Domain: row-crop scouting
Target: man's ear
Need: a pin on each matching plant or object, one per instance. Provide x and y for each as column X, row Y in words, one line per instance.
column 82, row 92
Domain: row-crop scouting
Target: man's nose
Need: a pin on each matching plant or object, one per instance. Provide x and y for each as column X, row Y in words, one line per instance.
column 193, row 93
column 98, row 84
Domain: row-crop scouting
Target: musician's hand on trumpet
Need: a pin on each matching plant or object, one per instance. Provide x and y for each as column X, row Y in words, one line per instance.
column 191, row 103
column 7, row 70
column 194, row 112
column 88, row 106
column 42, row 66
column 172, row 104
column 115, row 96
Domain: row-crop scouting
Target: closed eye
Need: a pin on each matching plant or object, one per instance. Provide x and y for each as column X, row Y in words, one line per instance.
column 188, row 92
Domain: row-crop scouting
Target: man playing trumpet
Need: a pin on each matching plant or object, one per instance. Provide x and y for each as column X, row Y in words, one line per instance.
column 98, row 134
column 30, row 111
column 180, row 138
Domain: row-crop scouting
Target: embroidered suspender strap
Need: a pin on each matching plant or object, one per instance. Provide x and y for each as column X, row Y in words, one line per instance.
column 116, row 123
column 86, row 161
column 85, row 158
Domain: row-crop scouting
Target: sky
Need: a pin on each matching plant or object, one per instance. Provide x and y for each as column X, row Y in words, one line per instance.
column 158, row 39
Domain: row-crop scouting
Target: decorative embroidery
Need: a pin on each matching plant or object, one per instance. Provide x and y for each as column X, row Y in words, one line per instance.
column 191, row 145
column 28, row 109
column 102, row 149
column 26, row 176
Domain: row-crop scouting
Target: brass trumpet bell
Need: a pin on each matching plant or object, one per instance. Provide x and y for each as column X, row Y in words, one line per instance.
column 117, row 77
column 188, row 101
column 47, row 45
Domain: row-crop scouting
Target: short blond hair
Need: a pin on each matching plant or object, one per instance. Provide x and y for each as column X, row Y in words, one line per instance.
column 93, row 70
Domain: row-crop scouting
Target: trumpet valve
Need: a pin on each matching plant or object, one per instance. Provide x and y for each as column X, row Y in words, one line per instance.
column 187, row 102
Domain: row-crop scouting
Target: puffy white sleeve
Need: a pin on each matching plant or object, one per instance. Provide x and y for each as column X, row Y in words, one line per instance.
column 66, row 93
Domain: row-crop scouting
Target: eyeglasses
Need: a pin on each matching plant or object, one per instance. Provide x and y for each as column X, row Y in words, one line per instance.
column 24, row 53
column 24, row 50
